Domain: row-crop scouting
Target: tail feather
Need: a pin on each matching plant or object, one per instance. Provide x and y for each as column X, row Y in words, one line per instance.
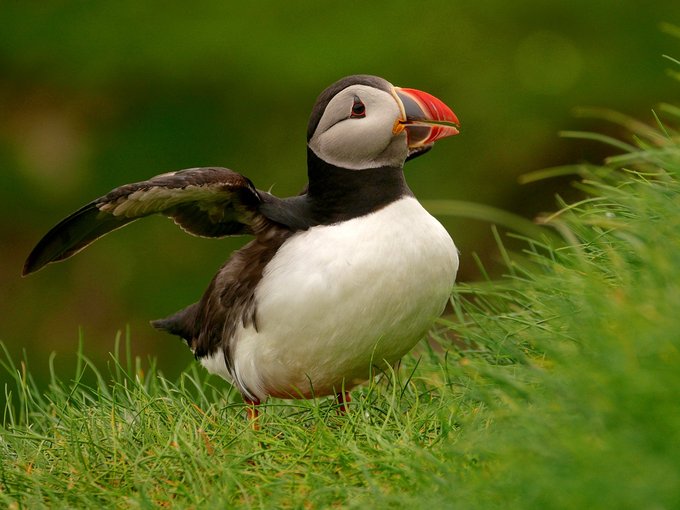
column 182, row 324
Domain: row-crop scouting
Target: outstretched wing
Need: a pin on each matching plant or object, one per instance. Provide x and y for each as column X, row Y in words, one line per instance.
column 208, row 202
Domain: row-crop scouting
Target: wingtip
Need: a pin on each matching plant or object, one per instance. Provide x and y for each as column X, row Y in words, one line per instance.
column 33, row 262
column 29, row 268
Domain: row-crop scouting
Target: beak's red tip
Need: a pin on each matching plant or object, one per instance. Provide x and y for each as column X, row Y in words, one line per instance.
column 428, row 119
column 432, row 107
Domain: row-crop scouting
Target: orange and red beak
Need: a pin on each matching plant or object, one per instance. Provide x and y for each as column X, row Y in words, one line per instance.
column 425, row 118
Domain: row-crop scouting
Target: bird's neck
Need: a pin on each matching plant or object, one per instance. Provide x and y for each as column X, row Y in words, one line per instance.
column 337, row 194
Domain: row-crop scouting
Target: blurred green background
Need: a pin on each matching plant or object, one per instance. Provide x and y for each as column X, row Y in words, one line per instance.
column 97, row 94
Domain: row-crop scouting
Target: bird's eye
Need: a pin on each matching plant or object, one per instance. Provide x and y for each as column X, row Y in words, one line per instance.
column 358, row 109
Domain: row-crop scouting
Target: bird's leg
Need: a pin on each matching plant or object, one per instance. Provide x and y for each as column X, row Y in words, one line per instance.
column 252, row 412
column 343, row 399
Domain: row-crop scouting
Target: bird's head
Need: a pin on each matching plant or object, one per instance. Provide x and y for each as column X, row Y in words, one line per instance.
column 364, row 121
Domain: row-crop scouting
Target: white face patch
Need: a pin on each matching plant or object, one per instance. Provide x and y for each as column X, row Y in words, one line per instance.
column 363, row 142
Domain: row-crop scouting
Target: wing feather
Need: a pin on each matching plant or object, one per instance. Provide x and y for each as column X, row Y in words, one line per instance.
column 207, row 202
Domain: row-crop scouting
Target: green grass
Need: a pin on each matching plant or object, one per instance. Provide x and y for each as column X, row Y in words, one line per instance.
column 555, row 387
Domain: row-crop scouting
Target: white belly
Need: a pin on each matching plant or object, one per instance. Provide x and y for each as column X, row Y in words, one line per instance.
column 337, row 299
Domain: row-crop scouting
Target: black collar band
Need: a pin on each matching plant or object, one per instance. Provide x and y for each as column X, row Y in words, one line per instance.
column 339, row 194
column 336, row 194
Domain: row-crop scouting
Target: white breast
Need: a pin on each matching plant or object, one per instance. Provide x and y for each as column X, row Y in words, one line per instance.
column 337, row 299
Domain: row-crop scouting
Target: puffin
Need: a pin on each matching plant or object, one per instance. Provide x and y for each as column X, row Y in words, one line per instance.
column 337, row 282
